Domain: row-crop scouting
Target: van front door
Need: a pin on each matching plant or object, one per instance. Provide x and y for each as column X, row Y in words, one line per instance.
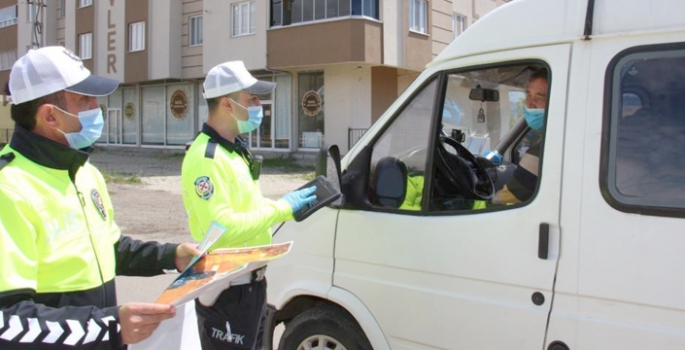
column 436, row 267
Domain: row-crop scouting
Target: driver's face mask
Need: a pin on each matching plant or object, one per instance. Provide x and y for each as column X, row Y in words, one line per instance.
column 535, row 117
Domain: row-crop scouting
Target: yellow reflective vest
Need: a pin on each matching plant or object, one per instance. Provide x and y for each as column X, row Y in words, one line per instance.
column 61, row 231
column 60, row 249
column 218, row 185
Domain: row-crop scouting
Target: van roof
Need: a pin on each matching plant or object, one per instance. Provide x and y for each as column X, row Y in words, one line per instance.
column 523, row 23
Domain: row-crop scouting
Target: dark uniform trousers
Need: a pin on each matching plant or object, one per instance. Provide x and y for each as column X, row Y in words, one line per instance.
column 236, row 320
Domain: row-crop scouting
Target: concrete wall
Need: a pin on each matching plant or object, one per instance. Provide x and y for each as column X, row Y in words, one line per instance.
column 111, row 39
column 137, row 63
column 441, row 26
column 404, row 79
column 61, row 23
column 418, row 48
column 347, row 100
column 6, row 121
column 8, row 43
column 50, row 22
column 191, row 57
column 393, row 32
column 219, row 44
column 85, row 23
column 24, row 29
column 164, row 47
column 339, row 41
column 70, row 25
column 465, row 8
column 383, row 90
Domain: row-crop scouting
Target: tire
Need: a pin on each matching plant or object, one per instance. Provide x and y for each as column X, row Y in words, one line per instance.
column 323, row 327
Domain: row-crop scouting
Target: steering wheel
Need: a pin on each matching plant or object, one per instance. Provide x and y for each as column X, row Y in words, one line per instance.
column 463, row 173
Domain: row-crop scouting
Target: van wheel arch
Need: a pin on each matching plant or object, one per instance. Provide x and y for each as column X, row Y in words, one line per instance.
column 295, row 307
column 323, row 319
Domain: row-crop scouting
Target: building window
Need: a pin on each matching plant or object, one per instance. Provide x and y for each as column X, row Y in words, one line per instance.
column 31, row 12
column 418, row 16
column 458, row 24
column 297, row 11
column 84, row 3
column 643, row 158
column 62, row 9
column 85, row 46
column 243, row 18
column 136, row 37
column 8, row 16
column 7, row 59
column 196, row 31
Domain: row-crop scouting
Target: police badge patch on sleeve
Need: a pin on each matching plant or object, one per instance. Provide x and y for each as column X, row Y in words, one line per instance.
column 204, row 187
column 97, row 200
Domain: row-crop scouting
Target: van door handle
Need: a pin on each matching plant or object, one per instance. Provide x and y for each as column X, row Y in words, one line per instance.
column 543, row 241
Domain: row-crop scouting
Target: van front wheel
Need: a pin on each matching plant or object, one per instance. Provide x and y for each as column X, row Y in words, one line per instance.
column 324, row 327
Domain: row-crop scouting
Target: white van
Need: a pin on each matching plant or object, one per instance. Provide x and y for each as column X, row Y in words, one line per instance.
column 592, row 257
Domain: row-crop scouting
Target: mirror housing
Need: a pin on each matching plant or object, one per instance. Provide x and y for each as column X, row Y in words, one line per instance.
column 484, row 95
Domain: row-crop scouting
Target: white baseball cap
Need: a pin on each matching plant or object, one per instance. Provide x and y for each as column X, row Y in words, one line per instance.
column 50, row 69
column 232, row 76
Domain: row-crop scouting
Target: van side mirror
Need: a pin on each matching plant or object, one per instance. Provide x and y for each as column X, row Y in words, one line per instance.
column 390, row 182
column 334, row 152
column 484, row 95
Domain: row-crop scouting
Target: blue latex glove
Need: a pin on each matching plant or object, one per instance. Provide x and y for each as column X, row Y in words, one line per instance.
column 494, row 157
column 298, row 199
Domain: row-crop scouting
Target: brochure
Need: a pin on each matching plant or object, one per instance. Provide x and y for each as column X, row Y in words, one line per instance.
column 217, row 269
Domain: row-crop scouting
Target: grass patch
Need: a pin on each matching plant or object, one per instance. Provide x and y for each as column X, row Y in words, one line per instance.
column 309, row 175
column 121, row 178
column 288, row 166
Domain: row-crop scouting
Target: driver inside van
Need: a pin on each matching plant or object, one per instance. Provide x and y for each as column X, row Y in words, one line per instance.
column 523, row 182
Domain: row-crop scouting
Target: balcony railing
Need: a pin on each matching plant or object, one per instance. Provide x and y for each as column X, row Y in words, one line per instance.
column 5, row 136
column 298, row 11
column 8, row 22
column 353, row 135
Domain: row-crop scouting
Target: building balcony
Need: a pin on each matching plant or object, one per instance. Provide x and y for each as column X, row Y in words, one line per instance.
column 354, row 39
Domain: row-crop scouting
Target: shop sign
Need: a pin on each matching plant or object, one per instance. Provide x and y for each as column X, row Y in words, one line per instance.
column 130, row 110
column 179, row 104
column 311, row 103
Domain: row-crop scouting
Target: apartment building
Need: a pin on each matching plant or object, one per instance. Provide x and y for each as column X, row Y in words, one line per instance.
column 338, row 63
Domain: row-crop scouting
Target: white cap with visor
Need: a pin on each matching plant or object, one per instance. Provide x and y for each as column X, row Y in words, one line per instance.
column 47, row 70
column 230, row 77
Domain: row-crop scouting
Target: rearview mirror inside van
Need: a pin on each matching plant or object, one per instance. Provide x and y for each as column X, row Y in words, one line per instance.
column 480, row 94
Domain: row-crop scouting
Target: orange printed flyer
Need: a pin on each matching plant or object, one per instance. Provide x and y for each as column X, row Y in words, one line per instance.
column 210, row 272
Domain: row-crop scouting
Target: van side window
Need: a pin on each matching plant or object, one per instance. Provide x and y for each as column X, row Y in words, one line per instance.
column 644, row 160
column 398, row 161
column 498, row 131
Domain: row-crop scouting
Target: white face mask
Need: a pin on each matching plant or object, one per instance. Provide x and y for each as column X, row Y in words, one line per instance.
column 92, row 123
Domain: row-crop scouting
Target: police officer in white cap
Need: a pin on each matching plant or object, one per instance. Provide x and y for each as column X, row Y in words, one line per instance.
column 60, row 248
column 220, row 182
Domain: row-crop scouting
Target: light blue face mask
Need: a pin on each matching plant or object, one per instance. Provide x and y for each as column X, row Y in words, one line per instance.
column 535, row 117
column 92, row 123
column 255, row 114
